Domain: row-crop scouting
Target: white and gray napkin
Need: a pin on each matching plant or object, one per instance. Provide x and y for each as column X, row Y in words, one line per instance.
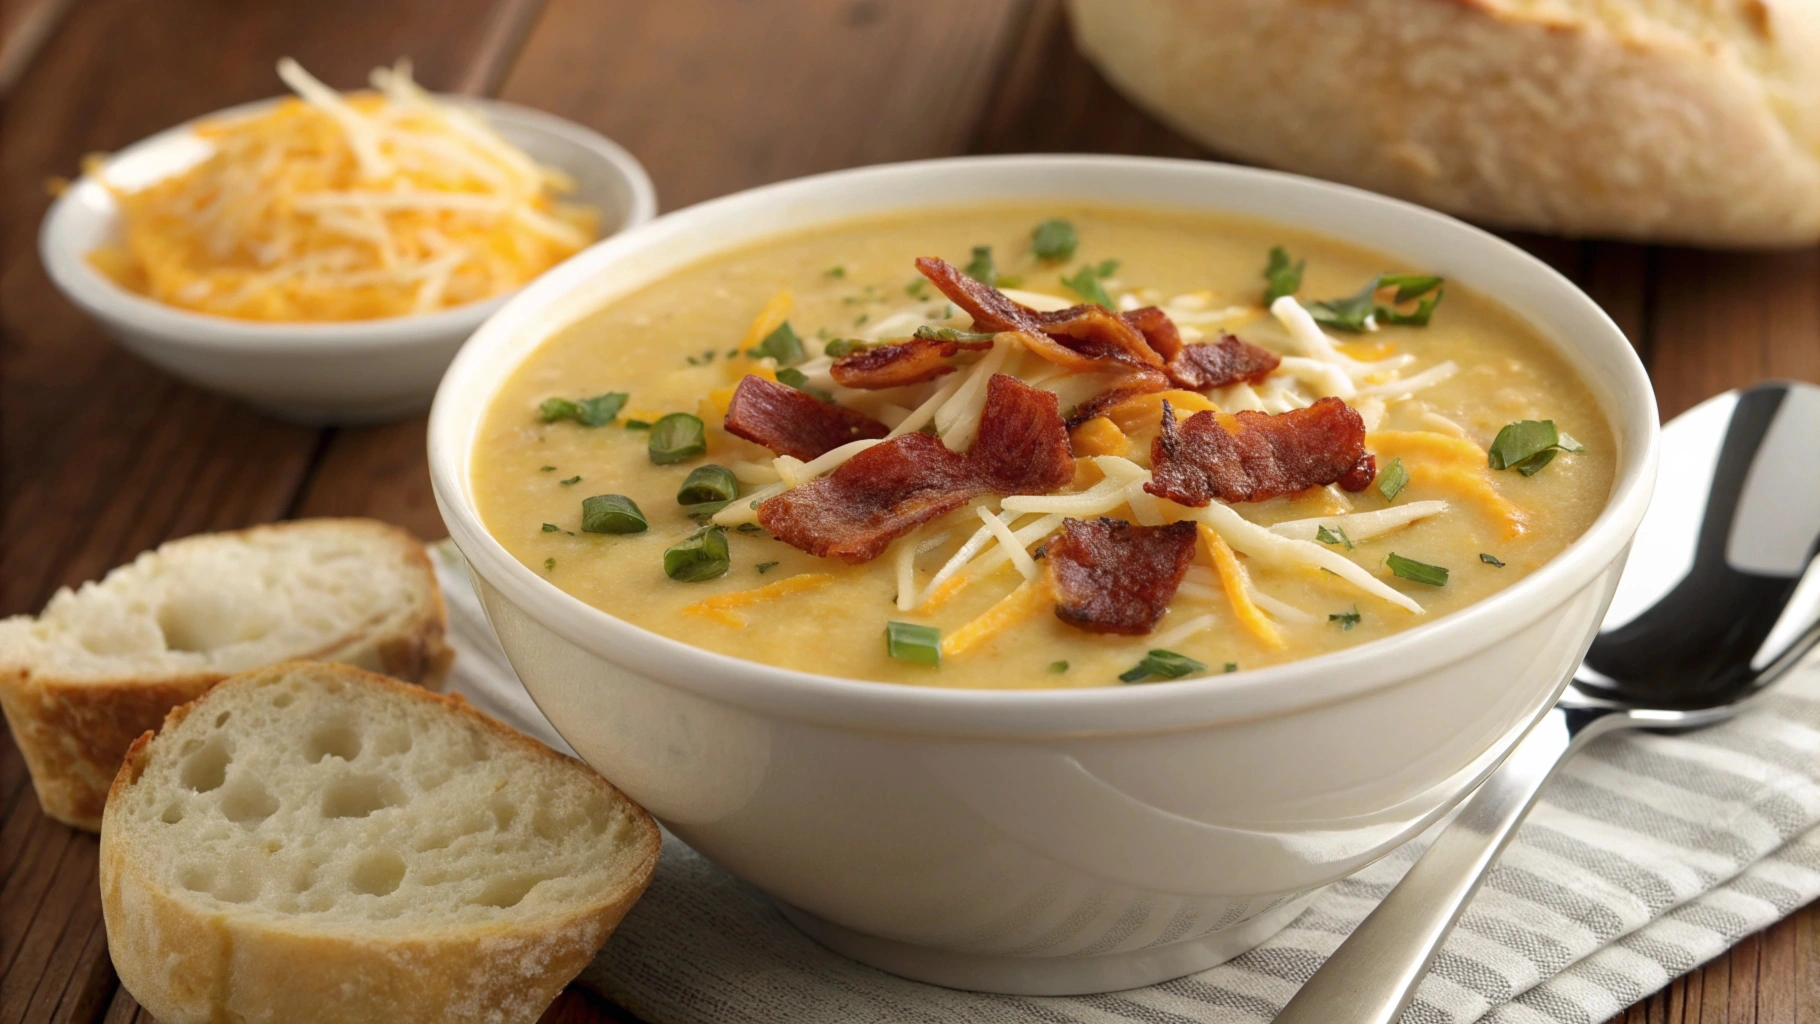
column 1647, row 856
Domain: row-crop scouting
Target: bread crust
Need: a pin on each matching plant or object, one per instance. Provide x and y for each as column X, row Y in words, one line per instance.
column 189, row 963
column 1667, row 121
column 72, row 732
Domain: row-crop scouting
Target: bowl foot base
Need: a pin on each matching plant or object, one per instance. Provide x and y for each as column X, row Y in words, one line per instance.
column 1047, row 976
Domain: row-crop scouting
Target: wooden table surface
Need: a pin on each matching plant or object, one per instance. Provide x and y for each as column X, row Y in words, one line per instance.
column 103, row 456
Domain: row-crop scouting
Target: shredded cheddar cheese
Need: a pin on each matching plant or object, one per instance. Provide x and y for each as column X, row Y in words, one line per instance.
column 1143, row 411
column 328, row 207
column 719, row 607
column 1453, row 463
column 1097, row 436
column 1238, row 588
column 1030, row 597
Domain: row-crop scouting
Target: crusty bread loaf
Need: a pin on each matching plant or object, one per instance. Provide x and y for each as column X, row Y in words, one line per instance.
column 104, row 663
column 310, row 842
column 1675, row 120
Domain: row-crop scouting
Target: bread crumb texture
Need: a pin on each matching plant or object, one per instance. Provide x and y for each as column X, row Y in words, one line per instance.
column 314, row 842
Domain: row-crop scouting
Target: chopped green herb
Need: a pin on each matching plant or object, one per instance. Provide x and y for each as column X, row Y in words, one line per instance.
column 611, row 513
column 732, row 353
column 1058, row 667
column 749, row 528
column 918, row 288
column 1347, row 620
column 549, row 564
column 637, row 425
column 551, row 528
column 800, row 381
column 1491, row 560
column 702, row 511
column 981, row 268
column 1232, row 666
column 1359, row 311
column 1392, row 479
column 763, row 567
column 1054, row 241
column 837, row 272
column 570, row 482
column 1106, row 268
column 677, row 437
column 1417, row 572
column 1337, row 535
column 860, row 321
column 782, row 345
column 1281, row 277
column 1528, row 445
column 701, row 556
column 1086, row 284
column 908, row 641
column 546, row 469
column 693, row 360
column 932, row 333
column 1163, row 664
column 708, row 483
column 847, row 346
column 589, row 412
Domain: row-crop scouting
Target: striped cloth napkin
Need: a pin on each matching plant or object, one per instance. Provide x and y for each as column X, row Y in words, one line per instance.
column 1648, row 855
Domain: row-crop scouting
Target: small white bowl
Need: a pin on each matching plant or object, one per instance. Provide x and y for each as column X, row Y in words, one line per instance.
column 359, row 371
column 1052, row 841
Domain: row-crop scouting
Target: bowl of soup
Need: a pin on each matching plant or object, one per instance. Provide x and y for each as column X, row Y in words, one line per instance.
column 1044, row 574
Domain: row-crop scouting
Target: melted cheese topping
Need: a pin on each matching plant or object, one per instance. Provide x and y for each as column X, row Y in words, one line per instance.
column 329, row 207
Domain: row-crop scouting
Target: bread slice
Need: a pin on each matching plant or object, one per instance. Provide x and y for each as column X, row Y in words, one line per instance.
column 104, row 663
column 1690, row 121
column 310, row 842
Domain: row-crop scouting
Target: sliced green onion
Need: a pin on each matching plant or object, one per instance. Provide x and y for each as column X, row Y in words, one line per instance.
column 1491, row 560
column 589, row 412
column 1528, row 445
column 837, row 272
column 950, row 334
column 570, row 482
column 546, row 469
column 1164, row 665
column 637, row 425
column 1086, row 284
column 908, row 641
column 981, row 268
column 549, row 564
column 708, row 483
column 749, row 528
column 702, row 511
column 1058, row 667
column 1054, row 240
column 611, row 513
column 1417, row 572
column 1347, row 620
column 1232, row 666
column 1282, row 277
column 1392, row 479
column 677, row 437
column 1337, row 536
column 782, row 345
column 765, row 567
column 702, row 556
column 551, row 528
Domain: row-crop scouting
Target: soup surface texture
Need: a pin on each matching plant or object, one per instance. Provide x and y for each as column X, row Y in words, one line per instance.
column 1487, row 455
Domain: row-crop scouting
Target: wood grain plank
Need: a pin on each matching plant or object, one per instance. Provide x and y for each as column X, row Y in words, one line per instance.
column 25, row 26
column 1726, row 320
column 380, row 472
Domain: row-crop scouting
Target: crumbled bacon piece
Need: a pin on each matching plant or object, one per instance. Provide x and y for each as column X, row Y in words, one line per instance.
column 791, row 422
column 1252, row 456
column 1158, row 330
column 888, row 490
column 1109, row 576
column 1089, row 337
column 907, row 362
column 990, row 309
column 1099, row 332
column 1220, row 364
column 1127, row 388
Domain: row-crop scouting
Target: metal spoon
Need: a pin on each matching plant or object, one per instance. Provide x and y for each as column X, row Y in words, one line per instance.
column 1718, row 600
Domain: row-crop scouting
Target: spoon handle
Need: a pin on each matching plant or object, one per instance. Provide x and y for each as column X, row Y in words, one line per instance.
column 1371, row 977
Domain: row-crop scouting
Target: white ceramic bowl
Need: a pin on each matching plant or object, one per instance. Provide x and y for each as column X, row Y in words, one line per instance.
column 348, row 372
column 1063, row 840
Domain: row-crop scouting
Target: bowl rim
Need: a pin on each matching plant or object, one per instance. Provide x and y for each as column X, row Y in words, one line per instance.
column 101, row 297
column 1628, row 403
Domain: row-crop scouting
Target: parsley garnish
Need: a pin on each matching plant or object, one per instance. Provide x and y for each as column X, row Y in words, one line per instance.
column 1086, row 283
column 1058, row 667
column 1392, row 480
column 782, row 345
column 763, row 567
column 1337, row 535
column 1359, row 311
column 800, row 381
column 1347, row 620
column 549, row 564
column 837, row 272
column 981, row 268
column 1054, row 241
column 1528, row 445
column 546, row 469
column 1282, row 277
column 551, row 528
column 570, row 482
column 1491, row 560
column 918, row 288
column 1163, row 664
column 1417, row 572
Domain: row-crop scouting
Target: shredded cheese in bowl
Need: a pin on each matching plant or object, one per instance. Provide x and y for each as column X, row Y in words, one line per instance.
column 330, row 207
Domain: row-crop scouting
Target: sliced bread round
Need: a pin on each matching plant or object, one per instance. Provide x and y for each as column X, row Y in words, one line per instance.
column 310, row 842
column 103, row 664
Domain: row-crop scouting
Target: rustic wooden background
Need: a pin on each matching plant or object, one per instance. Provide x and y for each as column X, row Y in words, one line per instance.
column 103, row 456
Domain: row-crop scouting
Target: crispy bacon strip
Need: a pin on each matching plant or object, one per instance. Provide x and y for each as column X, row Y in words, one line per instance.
column 1219, row 364
column 1112, row 577
column 1096, row 338
column 907, row 362
column 886, row 491
column 790, row 422
column 1158, row 330
column 990, row 309
column 1128, row 388
column 1102, row 334
column 1252, row 456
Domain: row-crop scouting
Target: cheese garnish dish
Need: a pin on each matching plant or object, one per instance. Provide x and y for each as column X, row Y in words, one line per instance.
column 946, row 450
column 332, row 207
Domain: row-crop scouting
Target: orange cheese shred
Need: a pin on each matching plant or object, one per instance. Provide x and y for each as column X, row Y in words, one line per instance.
column 1238, row 588
column 1030, row 598
column 719, row 607
column 1452, row 463
column 1097, row 436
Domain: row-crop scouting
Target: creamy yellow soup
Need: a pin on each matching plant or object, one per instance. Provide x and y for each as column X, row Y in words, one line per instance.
column 678, row 345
